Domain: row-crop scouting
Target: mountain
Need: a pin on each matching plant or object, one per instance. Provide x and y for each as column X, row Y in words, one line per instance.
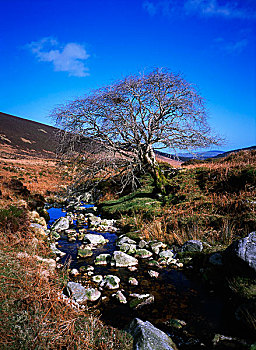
column 21, row 137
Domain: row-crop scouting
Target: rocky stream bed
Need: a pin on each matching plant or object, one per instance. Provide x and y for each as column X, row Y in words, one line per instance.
column 125, row 279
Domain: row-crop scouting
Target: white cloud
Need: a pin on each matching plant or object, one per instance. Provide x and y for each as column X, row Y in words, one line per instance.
column 65, row 58
column 204, row 8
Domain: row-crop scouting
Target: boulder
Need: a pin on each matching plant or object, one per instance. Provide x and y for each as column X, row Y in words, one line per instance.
column 128, row 248
column 143, row 253
column 142, row 244
column 81, row 294
column 153, row 274
column 110, row 282
column 93, row 220
column 166, row 254
column 148, row 337
column 74, row 272
column 140, row 300
column 120, row 297
column 102, row 259
column 124, row 239
column 216, row 259
column 121, row 259
column 132, row 281
column 84, row 253
column 244, row 250
column 94, row 239
column 60, row 224
column 156, row 246
column 55, row 250
column 97, row 278
column 192, row 246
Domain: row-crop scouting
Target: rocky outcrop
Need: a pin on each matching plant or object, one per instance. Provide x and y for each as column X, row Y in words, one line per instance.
column 148, row 337
column 244, row 251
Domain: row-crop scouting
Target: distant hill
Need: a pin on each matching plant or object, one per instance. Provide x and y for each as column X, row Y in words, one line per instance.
column 22, row 137
column 201, row 155
column 188, row 156
column 224, row 154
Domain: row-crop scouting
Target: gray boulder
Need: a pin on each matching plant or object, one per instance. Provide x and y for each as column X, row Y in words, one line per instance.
column 148, row 337
column 192, row 246
column 124, row 239
column 244, row 250
column 121, row 259
column 94, row 239
column 60, row 224
column 81, row 294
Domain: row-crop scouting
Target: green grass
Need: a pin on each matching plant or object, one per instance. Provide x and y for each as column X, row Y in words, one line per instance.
column 141, row 200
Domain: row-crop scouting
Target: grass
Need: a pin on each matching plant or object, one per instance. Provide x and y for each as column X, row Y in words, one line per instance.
column 33, row 314
column 142, row 200
column 211, row 201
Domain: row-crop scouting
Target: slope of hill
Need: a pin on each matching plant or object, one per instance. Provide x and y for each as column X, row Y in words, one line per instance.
column 224, row 154
column 22, row 137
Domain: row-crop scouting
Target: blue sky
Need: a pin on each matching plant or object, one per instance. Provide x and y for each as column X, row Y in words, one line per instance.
column 52, row 51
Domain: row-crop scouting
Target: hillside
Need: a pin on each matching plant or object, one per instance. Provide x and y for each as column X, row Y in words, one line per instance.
column 25, row 138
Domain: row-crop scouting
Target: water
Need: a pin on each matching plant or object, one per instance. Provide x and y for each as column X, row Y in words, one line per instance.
column 177, row 296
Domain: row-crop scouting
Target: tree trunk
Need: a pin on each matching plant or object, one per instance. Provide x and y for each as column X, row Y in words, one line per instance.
column 149, row 160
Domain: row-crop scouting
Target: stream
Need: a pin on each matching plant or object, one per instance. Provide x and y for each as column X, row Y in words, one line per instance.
column 177, row 296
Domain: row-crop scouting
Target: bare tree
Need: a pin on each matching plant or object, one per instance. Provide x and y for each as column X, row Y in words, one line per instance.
column 120, row 125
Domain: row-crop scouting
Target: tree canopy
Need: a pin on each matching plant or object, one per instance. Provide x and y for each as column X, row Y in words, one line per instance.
column 120, row 125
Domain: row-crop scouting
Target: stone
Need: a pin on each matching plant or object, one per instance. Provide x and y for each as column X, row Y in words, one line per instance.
column 84, row 253
column 94, row 239
column 216, row 259
column 74, row 272
column 121, row 259
column 120, row 297
column 132, row 281
column 38, row 229
column 124, row 239
column 153, row 274
column 175, row 323
column 102, row 259
column 140, row 300
column 128, row 248
column 110, row 282
column 148, row 337
column 244, row 250
column 143, row 253
column 97, row 278
column 166, row 254
column 153, row 263
column 81, row 294
column 132, row 268
column 93, row 221
column 156, row 246
column 192, row 246
column 224, row 342
column 55, row 250
column 142, row 244
column 60, row 224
